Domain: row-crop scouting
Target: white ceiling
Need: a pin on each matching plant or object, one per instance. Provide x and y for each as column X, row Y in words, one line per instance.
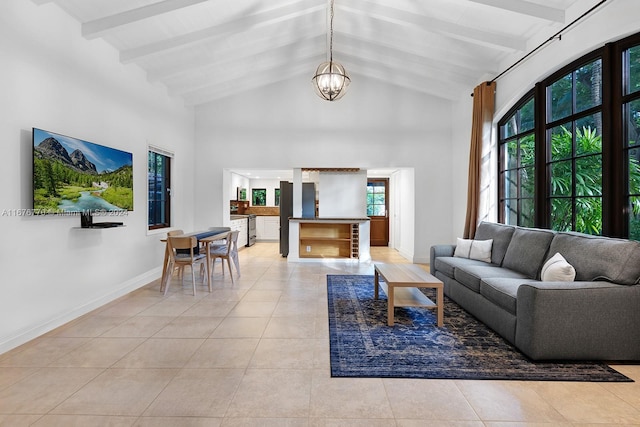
column 204, row 50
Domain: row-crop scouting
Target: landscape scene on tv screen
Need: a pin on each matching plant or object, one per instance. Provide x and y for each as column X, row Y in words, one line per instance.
column 72, row 175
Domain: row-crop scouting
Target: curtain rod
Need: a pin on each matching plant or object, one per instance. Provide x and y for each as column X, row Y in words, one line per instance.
column 557, row 35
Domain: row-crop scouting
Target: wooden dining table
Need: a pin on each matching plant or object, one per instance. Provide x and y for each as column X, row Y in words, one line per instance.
column 206, row 237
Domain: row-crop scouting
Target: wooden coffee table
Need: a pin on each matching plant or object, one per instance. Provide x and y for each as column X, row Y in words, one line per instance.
column 401, row 283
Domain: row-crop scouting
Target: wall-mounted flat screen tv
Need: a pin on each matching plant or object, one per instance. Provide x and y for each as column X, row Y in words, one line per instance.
column 72, row 175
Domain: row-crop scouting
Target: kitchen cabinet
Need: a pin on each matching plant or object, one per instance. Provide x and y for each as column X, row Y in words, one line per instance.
column 267, row 227
column 238, row 207
column 243, row 227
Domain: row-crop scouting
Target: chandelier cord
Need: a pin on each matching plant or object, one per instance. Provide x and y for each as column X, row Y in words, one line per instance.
column 331, row 33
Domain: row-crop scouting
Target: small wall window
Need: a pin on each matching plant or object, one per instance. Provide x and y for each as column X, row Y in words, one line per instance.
column 159, row 190
column 277, row 197
column 259, row 197
column 377, row 197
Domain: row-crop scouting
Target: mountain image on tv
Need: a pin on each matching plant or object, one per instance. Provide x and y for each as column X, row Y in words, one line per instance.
column 72, row 175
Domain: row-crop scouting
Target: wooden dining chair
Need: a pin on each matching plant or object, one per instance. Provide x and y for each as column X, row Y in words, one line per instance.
column 166, row 261
column 228, row 251
column 178, row 258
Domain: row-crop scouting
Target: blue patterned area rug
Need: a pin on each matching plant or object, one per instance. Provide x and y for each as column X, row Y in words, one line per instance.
column 362, row 345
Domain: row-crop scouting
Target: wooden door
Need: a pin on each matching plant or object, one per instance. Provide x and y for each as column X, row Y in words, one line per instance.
column 378, row 210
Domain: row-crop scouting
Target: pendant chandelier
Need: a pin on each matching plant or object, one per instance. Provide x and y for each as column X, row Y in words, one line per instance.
column 330, row 80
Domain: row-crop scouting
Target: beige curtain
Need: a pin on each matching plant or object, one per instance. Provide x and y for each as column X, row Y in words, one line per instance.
column 483, row 106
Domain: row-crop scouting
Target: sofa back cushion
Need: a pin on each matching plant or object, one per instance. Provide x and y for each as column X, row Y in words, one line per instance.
column 501, row 235
column 599, row 258
column 527, row 250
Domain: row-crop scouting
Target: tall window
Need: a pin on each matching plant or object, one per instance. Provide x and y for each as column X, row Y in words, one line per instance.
column 517, row 165
column 631, row 129
column 159, row 183
column 574, row 149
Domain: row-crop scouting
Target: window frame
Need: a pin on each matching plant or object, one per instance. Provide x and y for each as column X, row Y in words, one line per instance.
column 549, row 124
column 253, row 196
column 619, row 129
column 377, row 183
column 614, row 160
column 166, row 204
column 502, row 168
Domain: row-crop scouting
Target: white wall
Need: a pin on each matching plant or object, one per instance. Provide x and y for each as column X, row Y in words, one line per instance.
column 238, row 181
column 612, row 21
column 406, row 214
column 342, row 195
column 50, row 77
column 269, row 184
column 286, row 126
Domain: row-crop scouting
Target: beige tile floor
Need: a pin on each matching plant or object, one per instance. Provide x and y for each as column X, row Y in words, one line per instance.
column 256, row 354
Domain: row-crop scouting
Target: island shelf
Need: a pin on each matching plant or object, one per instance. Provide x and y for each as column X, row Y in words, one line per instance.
column 322, row 238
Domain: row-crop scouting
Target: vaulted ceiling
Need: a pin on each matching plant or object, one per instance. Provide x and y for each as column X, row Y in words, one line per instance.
column 204, row 50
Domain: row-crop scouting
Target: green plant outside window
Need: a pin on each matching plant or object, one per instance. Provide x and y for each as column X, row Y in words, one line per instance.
column 259, row 197
column 376, row 199
column 518, row 166
column 586, row 124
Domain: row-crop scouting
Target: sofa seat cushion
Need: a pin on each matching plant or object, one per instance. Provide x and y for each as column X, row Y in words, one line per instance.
column 502, row 291
column 527, row 251
column 471, row 275
column 447, row 265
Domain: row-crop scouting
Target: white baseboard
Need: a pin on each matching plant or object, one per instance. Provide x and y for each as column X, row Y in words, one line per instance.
column 406, row 254
column 34, row 331
column 421, row 260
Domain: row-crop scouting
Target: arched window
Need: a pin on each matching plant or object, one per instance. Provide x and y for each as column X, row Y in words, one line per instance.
column 570, row 148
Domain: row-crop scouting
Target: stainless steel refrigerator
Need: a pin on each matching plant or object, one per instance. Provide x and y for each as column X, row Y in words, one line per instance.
column 286, row 211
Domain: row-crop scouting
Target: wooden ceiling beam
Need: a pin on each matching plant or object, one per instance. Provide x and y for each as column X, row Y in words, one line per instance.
column 243, row 24
column 503, row 42
column 283, row 45
column 528, row 8
column 102, row 26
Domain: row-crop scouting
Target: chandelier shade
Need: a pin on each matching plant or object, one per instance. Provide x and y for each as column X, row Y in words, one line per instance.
column 330, row 80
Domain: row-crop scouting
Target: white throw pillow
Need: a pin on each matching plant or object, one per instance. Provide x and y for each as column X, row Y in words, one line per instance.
column 474, row 249
column 557, row 269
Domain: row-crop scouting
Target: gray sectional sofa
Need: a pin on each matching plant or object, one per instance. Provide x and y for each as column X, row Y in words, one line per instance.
column 595, row 317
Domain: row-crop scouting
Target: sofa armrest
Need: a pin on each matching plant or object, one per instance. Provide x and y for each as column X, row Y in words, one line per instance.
column 578, row 320
column 439, row 250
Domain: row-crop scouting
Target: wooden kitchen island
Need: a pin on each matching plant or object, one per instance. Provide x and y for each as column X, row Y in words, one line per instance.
column 329, row 239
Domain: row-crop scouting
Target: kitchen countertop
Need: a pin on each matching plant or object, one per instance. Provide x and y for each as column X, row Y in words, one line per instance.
column 235, row 216
column 328, row 219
